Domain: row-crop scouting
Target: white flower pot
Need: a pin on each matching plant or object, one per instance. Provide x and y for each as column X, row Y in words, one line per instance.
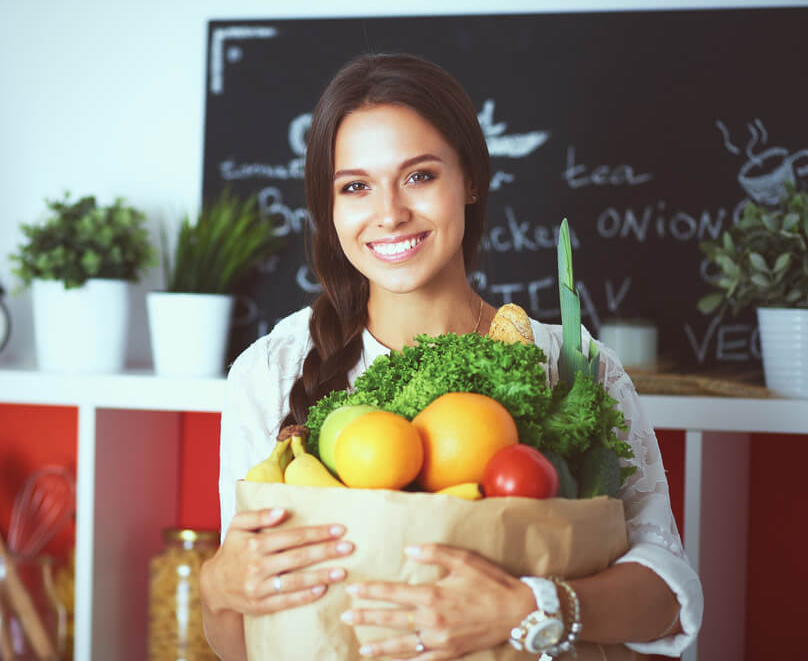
column 81, row 330
column 189, row 333
column 784, row 342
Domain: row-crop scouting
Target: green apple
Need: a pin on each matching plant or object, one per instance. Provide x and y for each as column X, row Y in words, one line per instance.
column 333, row 424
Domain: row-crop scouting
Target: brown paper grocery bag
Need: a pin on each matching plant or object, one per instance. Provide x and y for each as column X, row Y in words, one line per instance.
column 569, row 538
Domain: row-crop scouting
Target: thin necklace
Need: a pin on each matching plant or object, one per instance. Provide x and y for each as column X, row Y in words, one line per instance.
column 479, row 316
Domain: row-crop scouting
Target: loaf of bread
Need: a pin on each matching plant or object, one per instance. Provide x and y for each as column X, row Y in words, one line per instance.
column 511, row 324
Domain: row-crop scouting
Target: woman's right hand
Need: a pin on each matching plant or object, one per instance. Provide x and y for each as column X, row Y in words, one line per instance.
column 256, row 559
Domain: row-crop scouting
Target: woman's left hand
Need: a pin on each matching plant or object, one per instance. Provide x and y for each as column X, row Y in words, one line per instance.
column 473, row 607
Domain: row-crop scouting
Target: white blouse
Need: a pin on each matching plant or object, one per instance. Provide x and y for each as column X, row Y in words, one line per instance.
column 257, row 393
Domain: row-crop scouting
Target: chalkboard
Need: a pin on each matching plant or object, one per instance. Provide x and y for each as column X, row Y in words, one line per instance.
column 647, row 130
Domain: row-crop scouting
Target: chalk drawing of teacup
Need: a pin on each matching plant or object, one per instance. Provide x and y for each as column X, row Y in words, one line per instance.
column 763, row 176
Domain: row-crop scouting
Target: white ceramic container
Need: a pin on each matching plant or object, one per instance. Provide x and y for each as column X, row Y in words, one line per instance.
column 189, row 333
column 82, row 330
column 784, row 344
column 633, row 340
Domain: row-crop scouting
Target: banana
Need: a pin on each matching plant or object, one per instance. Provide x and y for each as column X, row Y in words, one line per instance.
column 271, row 469
column 467, row 490
column 306, row 470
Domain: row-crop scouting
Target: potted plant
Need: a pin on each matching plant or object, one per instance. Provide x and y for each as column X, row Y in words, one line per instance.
column 79, row 264
column 189, row 322
column 763, row 262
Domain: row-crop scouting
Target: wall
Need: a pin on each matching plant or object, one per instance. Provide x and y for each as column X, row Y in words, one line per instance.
column 107, row 98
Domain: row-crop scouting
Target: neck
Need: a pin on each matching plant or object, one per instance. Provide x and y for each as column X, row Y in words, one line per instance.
column 395, row 319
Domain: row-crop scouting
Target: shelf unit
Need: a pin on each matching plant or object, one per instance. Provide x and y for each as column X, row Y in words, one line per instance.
column 128, row 467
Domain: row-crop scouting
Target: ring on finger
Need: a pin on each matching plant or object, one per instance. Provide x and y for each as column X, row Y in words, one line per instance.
column 419, row 644
column 276, row 583
column 411, row 620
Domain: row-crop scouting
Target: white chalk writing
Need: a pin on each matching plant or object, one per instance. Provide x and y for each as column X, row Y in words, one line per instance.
column 217, row 41
column 576, row 175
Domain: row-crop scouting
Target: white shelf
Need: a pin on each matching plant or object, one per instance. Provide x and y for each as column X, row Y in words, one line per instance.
column 727, row 414
column 128, row 456
column 133, row 389
column 142, row 390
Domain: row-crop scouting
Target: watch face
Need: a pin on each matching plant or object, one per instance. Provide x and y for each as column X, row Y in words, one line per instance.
column 545, row 634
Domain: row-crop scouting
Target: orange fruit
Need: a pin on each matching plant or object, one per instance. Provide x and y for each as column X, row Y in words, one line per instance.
column 379, row 450
column 461, row 431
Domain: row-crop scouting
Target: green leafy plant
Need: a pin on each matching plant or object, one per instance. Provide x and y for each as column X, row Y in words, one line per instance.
column 213, row 255
column 763, row 259
column 82, row 240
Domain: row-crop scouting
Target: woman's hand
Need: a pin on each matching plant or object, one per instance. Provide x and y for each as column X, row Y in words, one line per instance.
column 259, row 569
column 473, row 607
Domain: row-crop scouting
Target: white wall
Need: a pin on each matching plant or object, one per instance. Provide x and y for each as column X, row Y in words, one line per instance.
column 106, row 98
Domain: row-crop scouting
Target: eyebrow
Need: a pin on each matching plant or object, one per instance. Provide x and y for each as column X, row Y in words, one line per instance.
column 406, row 164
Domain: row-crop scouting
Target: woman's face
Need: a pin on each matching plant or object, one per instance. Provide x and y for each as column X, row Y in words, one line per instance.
column 399, row 198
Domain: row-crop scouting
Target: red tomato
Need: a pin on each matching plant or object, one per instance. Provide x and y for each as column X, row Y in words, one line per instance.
column 520, row 470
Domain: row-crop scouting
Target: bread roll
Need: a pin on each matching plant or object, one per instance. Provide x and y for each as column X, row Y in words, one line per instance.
column 511, row 324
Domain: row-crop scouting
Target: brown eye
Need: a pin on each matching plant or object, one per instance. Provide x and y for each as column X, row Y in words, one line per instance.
column 354, row 187
column 420, row 177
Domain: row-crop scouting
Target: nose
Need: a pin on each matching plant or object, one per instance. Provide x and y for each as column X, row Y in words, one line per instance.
column 394, row 210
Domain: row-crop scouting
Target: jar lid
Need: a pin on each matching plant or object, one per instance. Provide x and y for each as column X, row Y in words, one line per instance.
column 189, row 535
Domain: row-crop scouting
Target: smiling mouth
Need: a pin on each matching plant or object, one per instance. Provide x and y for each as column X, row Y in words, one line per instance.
column 399, row 248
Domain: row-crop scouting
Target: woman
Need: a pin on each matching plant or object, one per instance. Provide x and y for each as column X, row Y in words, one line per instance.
column 397, row 175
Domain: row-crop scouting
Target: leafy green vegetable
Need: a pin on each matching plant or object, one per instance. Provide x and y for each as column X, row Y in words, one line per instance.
column 567, row 484
column 404, row 382
column 599, row 473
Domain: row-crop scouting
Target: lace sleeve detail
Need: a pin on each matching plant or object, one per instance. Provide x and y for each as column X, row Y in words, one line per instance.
column 653, row 537
column 645, row 494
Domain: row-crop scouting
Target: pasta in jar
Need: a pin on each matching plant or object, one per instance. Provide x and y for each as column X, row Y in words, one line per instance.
column 175, row 609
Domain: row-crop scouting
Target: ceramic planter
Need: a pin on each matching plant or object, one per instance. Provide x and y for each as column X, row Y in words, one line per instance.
column 82, row 330
column 189, row 333
column 784, row 343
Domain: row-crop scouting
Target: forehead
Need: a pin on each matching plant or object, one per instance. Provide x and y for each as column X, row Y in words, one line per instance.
column 381, row 133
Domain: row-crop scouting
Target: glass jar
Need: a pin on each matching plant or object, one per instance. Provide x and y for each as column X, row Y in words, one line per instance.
column 27, row 634
column 175, row 607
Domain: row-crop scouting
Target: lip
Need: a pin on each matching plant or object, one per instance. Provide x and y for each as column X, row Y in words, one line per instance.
column 398, row 257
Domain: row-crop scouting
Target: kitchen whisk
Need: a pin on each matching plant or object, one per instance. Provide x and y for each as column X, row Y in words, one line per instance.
column 43, row 506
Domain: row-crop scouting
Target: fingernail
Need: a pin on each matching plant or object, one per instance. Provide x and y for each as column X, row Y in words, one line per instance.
column 413, row 550
column 336, row 531
column 347, row 617
column 344, row 547
column 353, row 588
column 366, row 650
column 318, row 589
column 336, row 574
column 275, row 514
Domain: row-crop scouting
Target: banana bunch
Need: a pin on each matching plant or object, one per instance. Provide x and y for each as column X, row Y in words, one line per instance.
column 289, row 463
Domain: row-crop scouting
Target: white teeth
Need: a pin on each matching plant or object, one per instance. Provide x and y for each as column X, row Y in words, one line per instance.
column 396, row 248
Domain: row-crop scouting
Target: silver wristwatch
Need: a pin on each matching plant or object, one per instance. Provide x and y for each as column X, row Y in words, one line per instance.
column 543, row 629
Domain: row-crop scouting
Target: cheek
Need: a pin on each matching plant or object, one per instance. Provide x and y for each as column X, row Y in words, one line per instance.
column 347, row 231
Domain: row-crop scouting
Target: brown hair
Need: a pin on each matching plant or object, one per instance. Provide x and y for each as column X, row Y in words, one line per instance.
column 339, row 314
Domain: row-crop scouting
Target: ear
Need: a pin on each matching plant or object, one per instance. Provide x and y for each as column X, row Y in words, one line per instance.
column 471, row 193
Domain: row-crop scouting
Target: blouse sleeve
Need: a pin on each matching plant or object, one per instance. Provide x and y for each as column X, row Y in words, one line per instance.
column 256, row 401
column 652, row 533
